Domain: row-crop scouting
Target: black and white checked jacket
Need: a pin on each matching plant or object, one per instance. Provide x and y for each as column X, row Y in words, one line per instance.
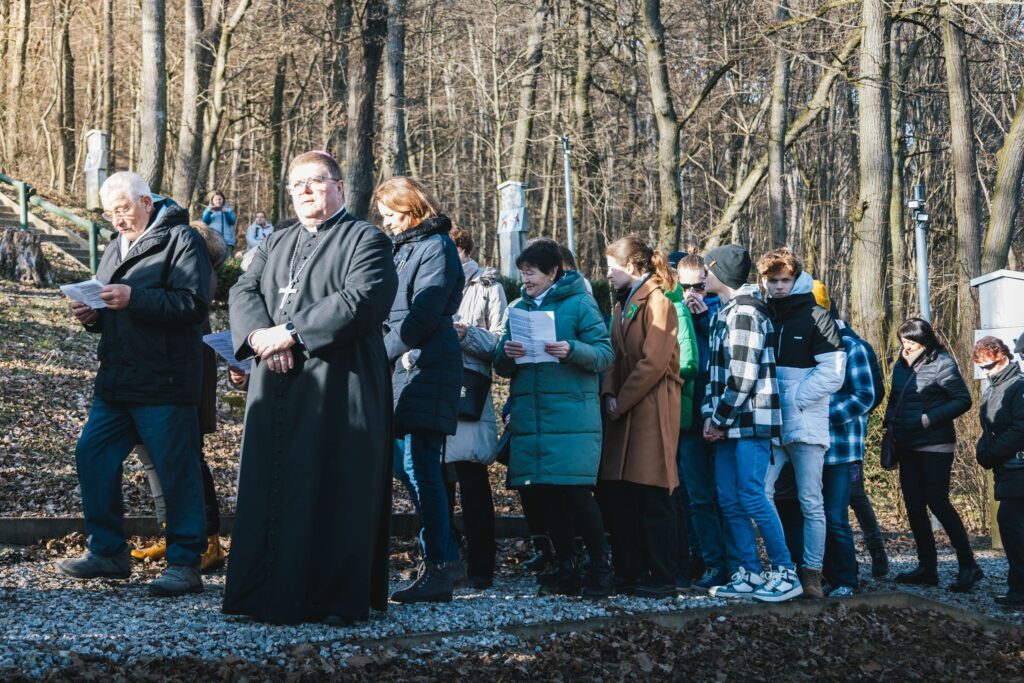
column 743, row 393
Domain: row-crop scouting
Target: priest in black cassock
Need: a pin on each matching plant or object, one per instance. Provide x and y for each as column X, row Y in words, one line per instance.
column 310, row 541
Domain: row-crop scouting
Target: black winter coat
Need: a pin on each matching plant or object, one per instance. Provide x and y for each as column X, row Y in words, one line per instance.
column 1001, row 446
column 430, row 283
column 152, row 351
column 934, row 388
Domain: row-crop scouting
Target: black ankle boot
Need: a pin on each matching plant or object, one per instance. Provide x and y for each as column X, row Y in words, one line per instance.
column 599, row 583
column 966, row 579
column 434, row 584
column 919, row 576
column 879, row 563
column 566, row 580
column 543, row 555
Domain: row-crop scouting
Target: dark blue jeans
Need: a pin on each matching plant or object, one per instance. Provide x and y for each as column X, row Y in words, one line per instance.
column 170, row 434
column 697, row 469
column 840, row 567
column 418, row 466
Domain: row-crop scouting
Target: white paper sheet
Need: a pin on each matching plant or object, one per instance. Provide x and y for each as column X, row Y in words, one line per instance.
column 533, row 329
column 87, row 292
column 221, row 343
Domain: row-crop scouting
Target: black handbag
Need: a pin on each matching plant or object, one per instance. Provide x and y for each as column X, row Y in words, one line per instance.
column 473, row 396
column 889, row 456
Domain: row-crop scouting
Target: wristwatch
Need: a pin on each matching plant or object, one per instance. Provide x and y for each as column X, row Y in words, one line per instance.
column 290, row 326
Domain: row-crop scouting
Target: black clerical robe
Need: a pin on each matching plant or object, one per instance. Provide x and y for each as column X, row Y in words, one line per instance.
column 311, row 529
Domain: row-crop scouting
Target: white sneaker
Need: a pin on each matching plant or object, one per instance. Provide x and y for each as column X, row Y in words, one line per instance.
column 781, row 584
column 743, row 585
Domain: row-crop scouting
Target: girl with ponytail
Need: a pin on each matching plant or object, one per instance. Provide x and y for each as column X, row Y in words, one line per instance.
column 641, row 396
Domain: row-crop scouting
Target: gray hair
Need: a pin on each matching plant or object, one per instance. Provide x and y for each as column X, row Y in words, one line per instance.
column 126, row 183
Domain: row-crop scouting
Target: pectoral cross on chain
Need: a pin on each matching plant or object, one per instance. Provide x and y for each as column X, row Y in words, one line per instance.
column 284, row 292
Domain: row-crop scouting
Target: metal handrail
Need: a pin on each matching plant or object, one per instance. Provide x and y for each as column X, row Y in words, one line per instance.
column 27, row 195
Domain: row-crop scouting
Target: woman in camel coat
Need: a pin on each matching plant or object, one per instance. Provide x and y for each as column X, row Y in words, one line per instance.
column 641, row 393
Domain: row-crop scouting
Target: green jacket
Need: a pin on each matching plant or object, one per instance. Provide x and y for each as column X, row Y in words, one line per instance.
column 688, row 356
column 556, row 407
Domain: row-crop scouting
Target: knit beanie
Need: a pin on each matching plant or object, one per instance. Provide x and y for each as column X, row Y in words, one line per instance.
column 730, row 264
column 821, row 295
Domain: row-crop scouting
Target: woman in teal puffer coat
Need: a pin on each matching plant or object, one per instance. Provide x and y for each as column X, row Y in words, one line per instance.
column 556, row 415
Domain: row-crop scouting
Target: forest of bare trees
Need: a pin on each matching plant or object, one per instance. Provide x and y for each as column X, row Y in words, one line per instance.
column 763, row 122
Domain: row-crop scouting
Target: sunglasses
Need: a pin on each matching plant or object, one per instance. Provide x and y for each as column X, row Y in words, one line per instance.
column 988, row 366
column 698, row 286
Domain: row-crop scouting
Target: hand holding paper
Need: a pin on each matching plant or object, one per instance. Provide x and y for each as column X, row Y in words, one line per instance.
column 87, row 292
column 534, row 330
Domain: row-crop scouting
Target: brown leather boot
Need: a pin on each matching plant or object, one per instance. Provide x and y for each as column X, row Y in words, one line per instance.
column 810, row 579
column 214, row 556
column 157, row 551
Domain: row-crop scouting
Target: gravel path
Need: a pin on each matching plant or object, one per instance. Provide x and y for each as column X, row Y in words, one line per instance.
column 50, row 622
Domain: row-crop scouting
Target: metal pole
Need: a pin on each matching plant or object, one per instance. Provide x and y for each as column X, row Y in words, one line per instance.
column 23, row 205
column 570, row 228
column 94, row 251
column 917, row 206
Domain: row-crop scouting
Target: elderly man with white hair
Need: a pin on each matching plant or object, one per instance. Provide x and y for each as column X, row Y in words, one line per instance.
column 157, row 292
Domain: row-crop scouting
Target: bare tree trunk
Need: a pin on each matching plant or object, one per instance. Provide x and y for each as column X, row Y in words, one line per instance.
column 587, row 167
column 196, row 79
column 1007, row 194
column 66, row 99
column 153, row 115
column 15, row 84
column 208, row 153
column 528, row 94
column 668, row 125
column 777, row 139
column 107, row 116
column 393, row 157
column 276, row 114
column 871, row 227
column 364, row 67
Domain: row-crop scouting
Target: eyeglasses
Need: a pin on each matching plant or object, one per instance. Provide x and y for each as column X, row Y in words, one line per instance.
column 697, row 286
column 115, row 214
column 318, row 183
column 988, row 366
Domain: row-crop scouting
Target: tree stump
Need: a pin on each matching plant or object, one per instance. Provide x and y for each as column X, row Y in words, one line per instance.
column 21, row 258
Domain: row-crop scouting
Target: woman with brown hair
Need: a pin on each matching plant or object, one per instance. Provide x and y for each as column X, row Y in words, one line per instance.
column 423, row 346
column 641, row 394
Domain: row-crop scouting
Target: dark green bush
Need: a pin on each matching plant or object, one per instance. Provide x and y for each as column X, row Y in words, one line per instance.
column 227, row 275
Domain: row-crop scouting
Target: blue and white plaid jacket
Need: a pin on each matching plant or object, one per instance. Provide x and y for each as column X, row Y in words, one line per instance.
column 742, row 397
column 849, row 407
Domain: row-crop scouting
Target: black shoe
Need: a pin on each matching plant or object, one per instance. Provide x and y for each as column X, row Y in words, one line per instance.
column 683, row 584
column 656, row 592
column 544, row 554
column 478, row 583
column 919, row 576
column 697, row 568
column 966, row 579
column 879, row 563
column 624, row 586
column 434, row 584
column 599, row 583
column 548, row 576
column 566, row 581
column 1011, row 599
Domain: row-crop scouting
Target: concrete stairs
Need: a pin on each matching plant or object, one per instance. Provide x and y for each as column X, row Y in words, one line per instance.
column 70, row 244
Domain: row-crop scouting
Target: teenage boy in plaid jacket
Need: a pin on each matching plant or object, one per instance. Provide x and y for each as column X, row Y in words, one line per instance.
column 848, row 424
column 742, row 417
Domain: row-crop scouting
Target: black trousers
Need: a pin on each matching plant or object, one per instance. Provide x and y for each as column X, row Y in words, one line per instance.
column 861, row 506
column 642, row 523
column 477, row 517
column 210, row 501
column 1011, row 527
column 924, row 478
column 533, row 510
column 681, row 503
column 571, row 511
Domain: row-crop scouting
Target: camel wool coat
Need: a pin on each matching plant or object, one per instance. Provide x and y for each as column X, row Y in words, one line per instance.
column 640, row 446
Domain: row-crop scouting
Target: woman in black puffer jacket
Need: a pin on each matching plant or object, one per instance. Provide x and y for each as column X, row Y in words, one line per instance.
column 422, row 344
column 926, row 395
column 1001, row 449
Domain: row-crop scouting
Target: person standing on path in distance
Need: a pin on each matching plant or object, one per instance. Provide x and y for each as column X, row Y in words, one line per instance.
column 310, row 541
column 927, row 393
column 1001, row 449
column 742, row 418
column 148, row 384
column 475, row 443
column 697, row 456
column 259, row 230
column 848, row 419
column 811, row 365
column 221, row 219
column 641, row 392
column 555, row 446
column 423, row 347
